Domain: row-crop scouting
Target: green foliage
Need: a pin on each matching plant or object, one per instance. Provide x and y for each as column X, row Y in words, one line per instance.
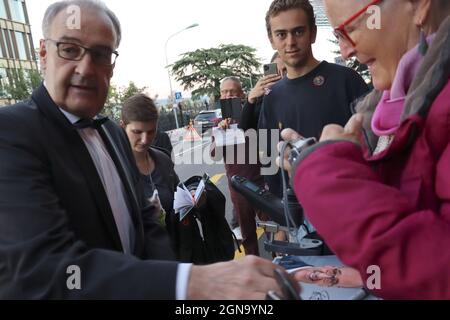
column 203, row 69
column 116, row 97
column 20, row 84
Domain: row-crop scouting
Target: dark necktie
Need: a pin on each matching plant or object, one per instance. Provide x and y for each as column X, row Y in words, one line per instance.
column 90, row 123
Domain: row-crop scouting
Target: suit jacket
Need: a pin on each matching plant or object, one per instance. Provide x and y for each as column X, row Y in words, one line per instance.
column 54, row 213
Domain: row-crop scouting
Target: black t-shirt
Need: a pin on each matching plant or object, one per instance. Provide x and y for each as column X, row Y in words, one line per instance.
column 308, row 103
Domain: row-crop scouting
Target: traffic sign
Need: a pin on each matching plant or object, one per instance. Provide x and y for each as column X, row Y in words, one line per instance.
column 178, row 96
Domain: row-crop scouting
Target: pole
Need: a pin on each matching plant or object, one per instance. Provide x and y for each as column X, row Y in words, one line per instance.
column 171, row 97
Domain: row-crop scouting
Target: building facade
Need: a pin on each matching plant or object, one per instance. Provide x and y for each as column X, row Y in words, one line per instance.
column 319, row 10
column 16, row 44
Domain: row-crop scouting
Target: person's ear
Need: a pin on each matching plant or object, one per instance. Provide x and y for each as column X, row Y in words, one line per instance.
column 270, row 36
column 112, row 71
column 43, row 55
column 272, row 43
column 422, row 12
column 314, row 34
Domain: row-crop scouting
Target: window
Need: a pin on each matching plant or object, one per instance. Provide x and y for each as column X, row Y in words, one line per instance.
column 2, row 46
column 30, row 47
column 20, row 39
column 17, row 12
column 3, row 14
column 7, row 41
column 3, row 82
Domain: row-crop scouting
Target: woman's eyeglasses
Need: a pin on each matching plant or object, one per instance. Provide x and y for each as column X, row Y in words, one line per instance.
column 341, row 34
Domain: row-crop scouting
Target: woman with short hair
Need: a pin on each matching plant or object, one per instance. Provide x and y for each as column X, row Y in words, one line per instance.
column 140, row 122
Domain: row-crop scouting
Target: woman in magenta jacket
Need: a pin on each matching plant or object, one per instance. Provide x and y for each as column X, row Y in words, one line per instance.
column 378, row 190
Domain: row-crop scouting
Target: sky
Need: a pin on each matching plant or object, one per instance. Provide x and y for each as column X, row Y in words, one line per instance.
column 147, row 24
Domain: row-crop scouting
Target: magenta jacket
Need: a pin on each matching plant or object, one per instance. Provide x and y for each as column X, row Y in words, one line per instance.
column 392, row 209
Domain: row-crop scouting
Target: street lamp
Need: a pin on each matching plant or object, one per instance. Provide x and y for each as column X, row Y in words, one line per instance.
column 168, row 71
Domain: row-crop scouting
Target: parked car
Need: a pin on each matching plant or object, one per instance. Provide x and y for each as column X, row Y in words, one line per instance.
column 208, row 119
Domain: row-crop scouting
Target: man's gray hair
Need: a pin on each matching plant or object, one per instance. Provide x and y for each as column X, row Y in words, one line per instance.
column 232, row 78
column 54, row 9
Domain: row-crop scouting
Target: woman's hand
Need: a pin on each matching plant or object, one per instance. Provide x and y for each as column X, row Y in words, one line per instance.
column 287, row 135
column 159, row 210
column 261, row 87
column 350, row 132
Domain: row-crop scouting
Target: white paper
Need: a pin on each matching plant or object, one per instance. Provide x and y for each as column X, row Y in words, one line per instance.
column 229, row 137
column 183, row 202
column 199, row 191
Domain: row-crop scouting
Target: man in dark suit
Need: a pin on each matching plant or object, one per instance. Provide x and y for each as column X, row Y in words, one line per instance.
column 73, row 220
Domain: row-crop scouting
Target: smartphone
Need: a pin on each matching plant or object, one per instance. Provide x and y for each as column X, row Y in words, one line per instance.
column 270, row 68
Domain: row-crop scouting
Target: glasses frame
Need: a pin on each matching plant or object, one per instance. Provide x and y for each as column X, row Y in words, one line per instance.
column 340, row 31
column 90, row 50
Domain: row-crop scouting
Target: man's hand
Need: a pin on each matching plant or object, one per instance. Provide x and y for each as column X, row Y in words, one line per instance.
column 225, row 124
column 350, row 132
column 262, row 86
column 249, row 278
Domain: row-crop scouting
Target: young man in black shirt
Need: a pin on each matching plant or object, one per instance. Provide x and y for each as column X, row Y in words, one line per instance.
column 314, row 93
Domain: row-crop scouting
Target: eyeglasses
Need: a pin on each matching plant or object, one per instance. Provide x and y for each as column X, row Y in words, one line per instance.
column 75, row 52
column 340, row 32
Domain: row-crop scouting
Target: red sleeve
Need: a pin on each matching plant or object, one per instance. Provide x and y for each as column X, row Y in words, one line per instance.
column 366, row 222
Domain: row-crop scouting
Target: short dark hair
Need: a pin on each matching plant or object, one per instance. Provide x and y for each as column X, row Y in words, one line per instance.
column 279, row 6
column 139, row 107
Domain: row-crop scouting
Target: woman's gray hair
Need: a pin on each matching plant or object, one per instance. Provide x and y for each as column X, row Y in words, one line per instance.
column 54, row 9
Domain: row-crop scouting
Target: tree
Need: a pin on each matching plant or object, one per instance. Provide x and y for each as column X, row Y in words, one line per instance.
column 353, row 63
column 20, row 84
column 116, row 97
column 203, row 69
